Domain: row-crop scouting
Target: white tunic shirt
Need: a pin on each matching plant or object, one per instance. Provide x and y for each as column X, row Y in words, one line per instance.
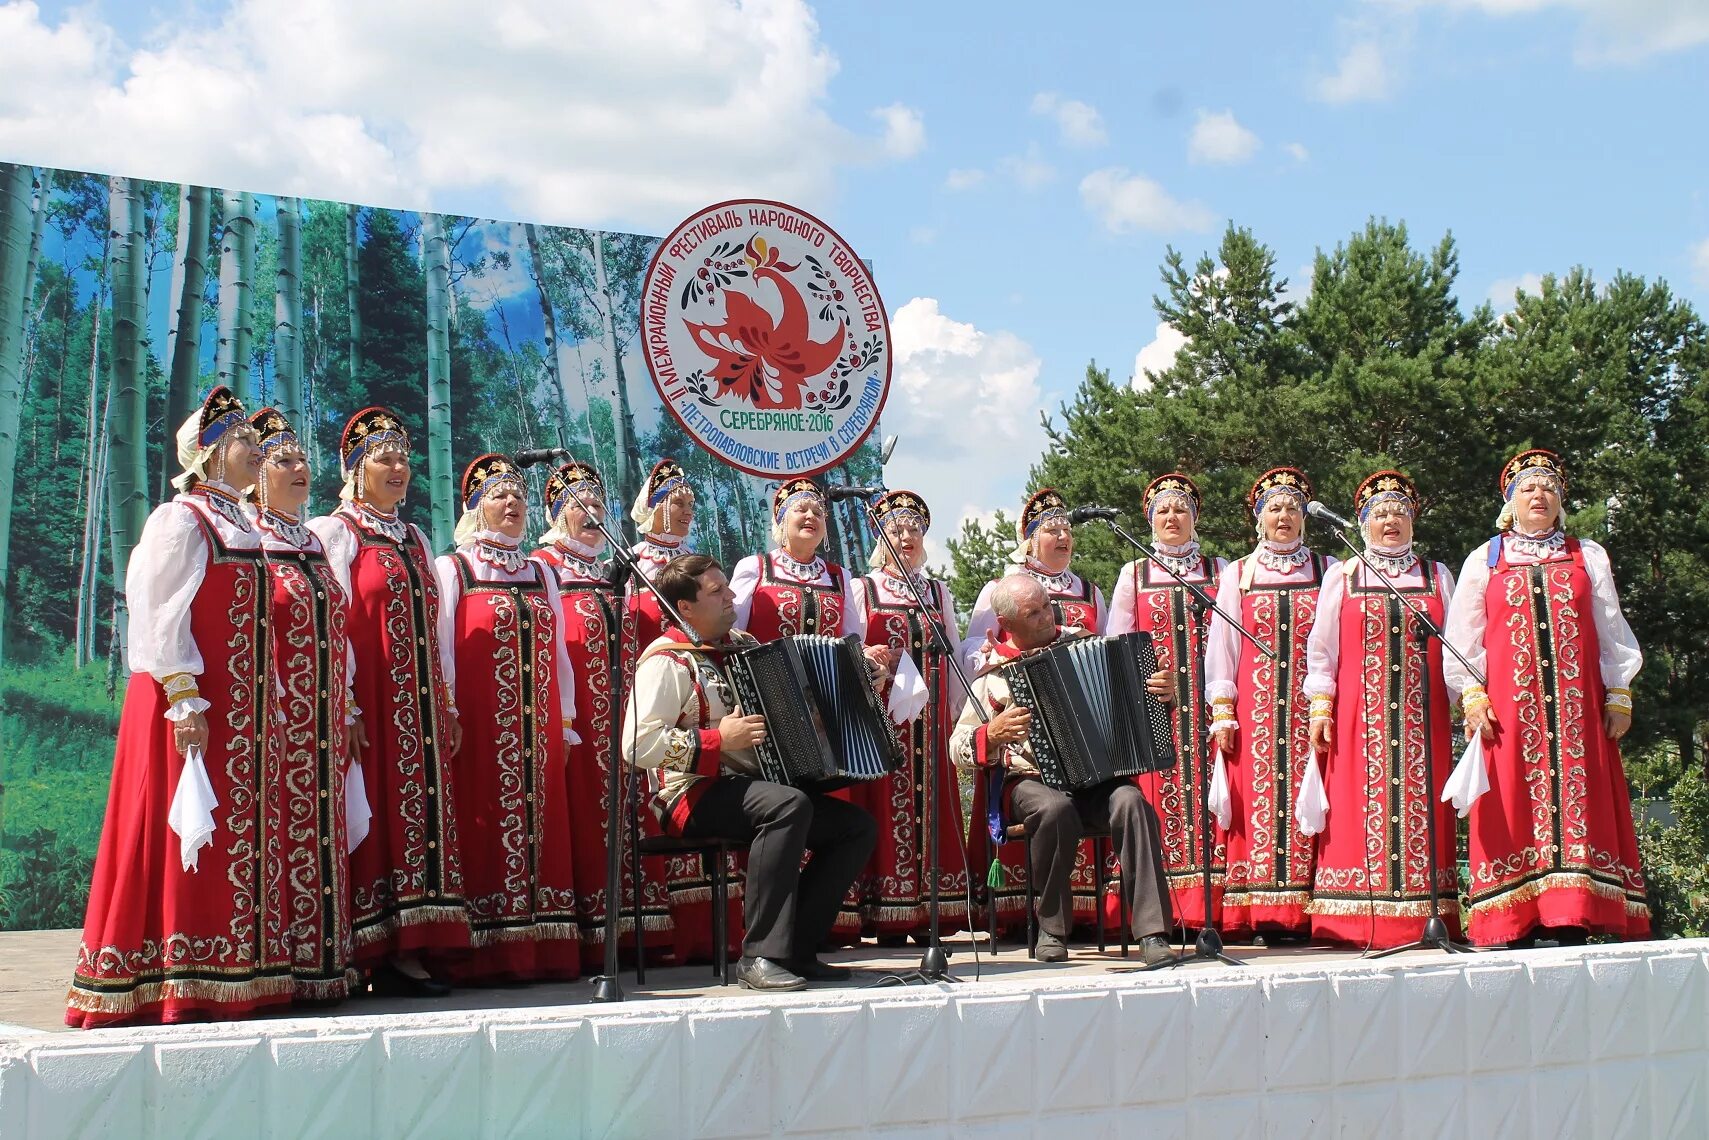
column 1323, row 651
column 745, row 580
column 165, row 572
column 1222, row 646
column 1468, row 619
column 531, row 570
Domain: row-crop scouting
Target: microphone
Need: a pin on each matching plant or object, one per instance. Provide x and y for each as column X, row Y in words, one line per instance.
column 539, row 455
column 837, row 494
column 1318, row 510
column 1083, row 514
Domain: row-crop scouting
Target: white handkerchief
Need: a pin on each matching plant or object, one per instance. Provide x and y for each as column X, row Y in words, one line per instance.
column 907, row 691
column 357, row 814
column 1469, row 779
column 1222, row 805
column 191, row 816
column 1311, row 806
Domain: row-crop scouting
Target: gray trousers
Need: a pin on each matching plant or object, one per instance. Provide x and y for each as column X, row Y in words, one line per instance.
column 787, row 909
column 1057, row 820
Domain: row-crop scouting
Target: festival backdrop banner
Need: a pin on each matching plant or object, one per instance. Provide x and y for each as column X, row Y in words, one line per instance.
column 122, row 301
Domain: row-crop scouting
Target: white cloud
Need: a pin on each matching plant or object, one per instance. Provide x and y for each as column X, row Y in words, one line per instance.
column 923, row 235
column 1501, row 291
column 1361, row 75
column 1297, row 152
column 947, row 370
column 963, row 179
column 904, row 130
column 1611, row 31
column 1700, row 262
column 1126, row 203
column 1078, row 123
column 1158, row 355
column 628, row 114
column 1218, row 138
column 1030, row 171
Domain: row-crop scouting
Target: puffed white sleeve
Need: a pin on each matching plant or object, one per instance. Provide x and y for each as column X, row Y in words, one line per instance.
column 1445, row 591
column 1122, row 601
column 450, row 593
column 165, row 572
column 1222, row 644
column 856, row 600
column 952, row 633
column 340, row 546
column 983, row 621
column 1621, row 656
column 1467, row 621
column 744, row 580
column 1323, row 648
column 854, row 617
column 1100, row 609
column 561, row 654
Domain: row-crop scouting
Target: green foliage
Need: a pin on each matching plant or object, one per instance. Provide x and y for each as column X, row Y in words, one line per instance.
column 1676, row 861
column 56, row 729
column 44, row 882
column 978, row 555
column 1380, row 368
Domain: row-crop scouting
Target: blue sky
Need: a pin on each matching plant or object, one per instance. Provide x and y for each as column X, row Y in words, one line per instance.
column 1014, row 173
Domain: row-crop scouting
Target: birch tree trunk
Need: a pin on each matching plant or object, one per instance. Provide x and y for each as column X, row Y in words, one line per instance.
column 436, row 258
column 550, row 321
column 16, row 223
column 237, row 262
column 127, row 491
column 288, row 315
column 628, row 474
column 352, row 294
column 94, row 472
column 184, row 333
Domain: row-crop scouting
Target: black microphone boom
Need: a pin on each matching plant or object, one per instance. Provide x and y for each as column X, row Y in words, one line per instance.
column 1083, row 514
column 837, row 494
column 535, row 455
column 1318, row 510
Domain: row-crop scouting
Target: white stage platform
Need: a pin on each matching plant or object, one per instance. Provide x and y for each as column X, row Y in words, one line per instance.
column 1596, row 1042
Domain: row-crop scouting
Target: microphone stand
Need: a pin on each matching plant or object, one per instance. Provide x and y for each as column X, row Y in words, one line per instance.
column 1207, row 947
column 1422, row 629
column 934, row 963
column 607, row 987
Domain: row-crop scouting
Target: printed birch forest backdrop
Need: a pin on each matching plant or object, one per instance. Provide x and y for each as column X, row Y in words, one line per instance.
column 123, row 301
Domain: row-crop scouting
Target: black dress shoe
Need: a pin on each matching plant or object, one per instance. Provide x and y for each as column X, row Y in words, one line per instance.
column 766, row 976
column 816, row 971
column 1154, row 950
column 389, row 981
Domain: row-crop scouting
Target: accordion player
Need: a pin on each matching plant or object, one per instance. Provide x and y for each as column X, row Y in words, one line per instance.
column 1093, row 718
column 825, row 725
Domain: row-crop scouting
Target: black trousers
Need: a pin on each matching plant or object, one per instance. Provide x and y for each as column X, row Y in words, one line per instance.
column 787, row 909
column 1057, row 820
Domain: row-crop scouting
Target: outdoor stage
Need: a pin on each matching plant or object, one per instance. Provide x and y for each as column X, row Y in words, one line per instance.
column 1593, row 1042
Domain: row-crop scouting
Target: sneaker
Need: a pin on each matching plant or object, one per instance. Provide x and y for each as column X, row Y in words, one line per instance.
column 1050, row 948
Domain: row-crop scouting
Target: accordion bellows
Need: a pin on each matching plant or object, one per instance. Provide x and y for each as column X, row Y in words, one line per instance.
column 1093, row 718
column 825, row 727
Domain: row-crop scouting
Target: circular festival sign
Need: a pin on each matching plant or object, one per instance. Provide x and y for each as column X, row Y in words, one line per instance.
column 766, row 338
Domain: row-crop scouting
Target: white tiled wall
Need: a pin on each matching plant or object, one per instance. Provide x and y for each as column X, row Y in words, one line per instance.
column 1590, row 1043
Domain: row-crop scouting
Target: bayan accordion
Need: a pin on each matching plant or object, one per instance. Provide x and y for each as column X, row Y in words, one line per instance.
column 824, row 725
column 1093, row 719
